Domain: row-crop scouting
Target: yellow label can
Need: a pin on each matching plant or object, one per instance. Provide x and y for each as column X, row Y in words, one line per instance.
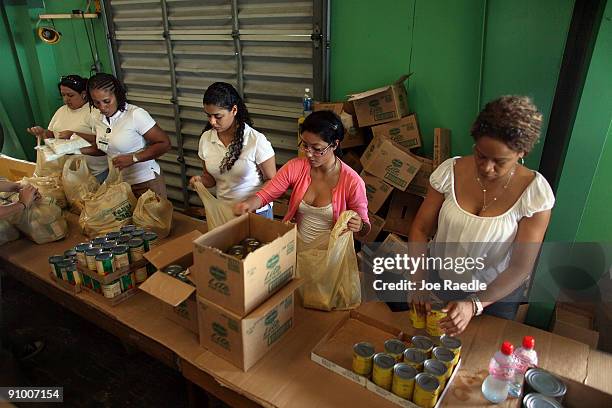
column 403, row 380
column 437, row 369
column 453, row 344
column 415, row 358
column 426, row 390
column 445, row 356
column 423, row 343
column 433, row 321
column 363, row 354
column 382, row 370
column 418, row 320
column 395, row 348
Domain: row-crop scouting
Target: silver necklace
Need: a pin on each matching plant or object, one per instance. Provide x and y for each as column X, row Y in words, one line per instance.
column 486, row 205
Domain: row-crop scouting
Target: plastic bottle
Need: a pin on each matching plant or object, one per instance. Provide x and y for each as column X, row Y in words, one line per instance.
column 525, row 357
column 307, row 101
column 501, row 373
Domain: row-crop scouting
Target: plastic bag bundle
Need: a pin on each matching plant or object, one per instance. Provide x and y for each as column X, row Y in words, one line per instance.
column 48, row 186
column 78, row 182
column 43, row 222
column 67, row 146
column 48, row 167
column 217, row 213
column 153, row 213
column 329, row 267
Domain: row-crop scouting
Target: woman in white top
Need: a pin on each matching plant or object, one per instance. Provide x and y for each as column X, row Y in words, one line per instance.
column 128, row 135
column 236, row 158
column 493, row 205
column 75, row 116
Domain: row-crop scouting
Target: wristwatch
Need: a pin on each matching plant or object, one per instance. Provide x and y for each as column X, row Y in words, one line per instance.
column 134, row 158
column 478, row 308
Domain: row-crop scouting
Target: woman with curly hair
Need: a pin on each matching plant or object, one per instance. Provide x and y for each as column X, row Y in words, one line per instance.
column 236, row 158
column 486, row 204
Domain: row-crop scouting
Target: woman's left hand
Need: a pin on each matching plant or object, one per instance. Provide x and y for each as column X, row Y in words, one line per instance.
column 458, row 315
column 354, row 224
column 123, row 161
column 65, row 134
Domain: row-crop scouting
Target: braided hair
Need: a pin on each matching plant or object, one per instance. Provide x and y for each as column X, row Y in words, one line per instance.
column 109, row 83
column 75, row 82
column 225, row 96
column 327, row 125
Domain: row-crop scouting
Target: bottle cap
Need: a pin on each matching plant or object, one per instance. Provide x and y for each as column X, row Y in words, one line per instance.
column 507, row 348
column 528, row 342
column 307, row 89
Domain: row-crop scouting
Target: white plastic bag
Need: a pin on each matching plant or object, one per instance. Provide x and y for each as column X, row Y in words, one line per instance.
column 217, row 213
column 154, row 213
column 48, row 167
column 43, row 222
column 330, row 270
column 67, row 146
column 48, row 186
column 78, row 182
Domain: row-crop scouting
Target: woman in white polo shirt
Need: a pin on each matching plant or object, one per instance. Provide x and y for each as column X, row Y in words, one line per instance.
column 236, row 158
column 75, row 116
column 128, row 135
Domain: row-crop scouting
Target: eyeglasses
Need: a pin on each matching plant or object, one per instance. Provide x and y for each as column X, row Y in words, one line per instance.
column 312, row 150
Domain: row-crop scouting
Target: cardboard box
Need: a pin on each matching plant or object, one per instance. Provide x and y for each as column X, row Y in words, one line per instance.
column 244, row 340
column 404, row 207
column 381, row 105
column 420, row 182
column 575, row 323
column 404, row 131
column 241, row 285
column 353, row 136
column 377, row 191
column 441, row 146
column 377, row 224
column 178, row 298
column 389, row 161
column 353, row 161
column 15, row 169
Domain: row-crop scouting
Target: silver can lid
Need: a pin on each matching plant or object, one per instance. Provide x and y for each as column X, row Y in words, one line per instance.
column 394, row 346
column 450, row 342
column 434, row 367
column 364, row 349
column 404, row 371
column 427, row 382
column 422, row 342
column 384, row 360
column 543, row 382
column 535, row 400
column 443, row 354
column 415, row 355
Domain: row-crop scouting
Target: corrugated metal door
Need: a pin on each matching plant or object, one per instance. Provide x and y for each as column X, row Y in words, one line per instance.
column 168, row 52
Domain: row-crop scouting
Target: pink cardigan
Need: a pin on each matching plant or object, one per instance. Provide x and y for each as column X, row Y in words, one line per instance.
column 349, row 193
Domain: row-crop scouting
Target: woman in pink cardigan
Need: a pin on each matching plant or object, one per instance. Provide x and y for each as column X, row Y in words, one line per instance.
column 323, row 186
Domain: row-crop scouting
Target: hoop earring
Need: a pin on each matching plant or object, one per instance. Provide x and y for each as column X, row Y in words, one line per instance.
column 522, row 161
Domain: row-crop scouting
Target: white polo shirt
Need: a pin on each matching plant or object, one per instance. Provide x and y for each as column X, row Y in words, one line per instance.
column 123, row 134
column 242, row 180
column 79, row 120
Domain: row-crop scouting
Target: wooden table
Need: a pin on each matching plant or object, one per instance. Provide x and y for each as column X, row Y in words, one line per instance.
column 286, row 376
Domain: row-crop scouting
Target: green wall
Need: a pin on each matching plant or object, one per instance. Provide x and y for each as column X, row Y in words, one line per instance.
column 32, row 69
column 464, row 53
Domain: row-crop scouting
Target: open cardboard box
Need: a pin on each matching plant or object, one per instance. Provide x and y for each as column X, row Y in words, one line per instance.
column 377, row 191
column 420, row 182
column 353, row 136
column 15, row 169
column 575, row 323
column 404, row 131
column 240, row 285
column 245, row 340
column 381, row 105
column 178, row 298
column 335, row 352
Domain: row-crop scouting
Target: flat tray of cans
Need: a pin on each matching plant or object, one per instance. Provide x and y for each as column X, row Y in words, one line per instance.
column 409, row 371
column 70, row 287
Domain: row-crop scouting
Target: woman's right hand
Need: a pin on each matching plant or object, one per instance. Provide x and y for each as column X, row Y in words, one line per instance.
column 421, row 300
column 195, row 179
column 28, row 194
column 37, row 131
column 241, row 208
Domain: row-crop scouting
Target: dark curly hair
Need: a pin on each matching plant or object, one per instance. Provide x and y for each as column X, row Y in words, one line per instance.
column 225, row 96
column 327, row 125
column 75, row 82
column 512, row 119
column 107, row 82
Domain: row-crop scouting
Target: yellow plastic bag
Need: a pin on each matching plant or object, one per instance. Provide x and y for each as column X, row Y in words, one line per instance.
column 50, row 167
column 329, row 268
column 43, row 222
column 78, row 182
column 108, row 209
column 217, row 213
column 153, row 213
column 48, row 186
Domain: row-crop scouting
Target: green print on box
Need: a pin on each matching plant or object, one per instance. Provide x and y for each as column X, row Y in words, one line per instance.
column 274, row 277
column 217, row 281
column 219, row 336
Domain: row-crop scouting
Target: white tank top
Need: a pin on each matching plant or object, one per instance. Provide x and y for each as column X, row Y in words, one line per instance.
column 314, row 221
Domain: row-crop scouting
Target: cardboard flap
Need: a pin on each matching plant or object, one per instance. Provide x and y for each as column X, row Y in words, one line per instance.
column 172, row 251
column 403, row 78
column 167, row 289
column 366, row 94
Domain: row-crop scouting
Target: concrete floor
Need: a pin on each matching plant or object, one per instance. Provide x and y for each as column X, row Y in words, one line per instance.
column 92, row 365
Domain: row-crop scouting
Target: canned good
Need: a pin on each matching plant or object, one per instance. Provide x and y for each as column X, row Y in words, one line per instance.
column 250, row 244
column 137, row 233
column 415, row 358
column 136, row 249
column 108, row 246
column 237, row 251
column 174, row 270
column 432, row 325
column 140, row 275
column 542, row 382
column 90, row 255
column 418, row 320
column 453, row 344
column 426, row 390
column 403, row 380
column 423, row 343
column 53, row 261
column 112, row 289
column 98, row 241
column 382, row 370
column 127, row 282
column 395, row 348
column 127, row 229
column 80, row 253
column 87, row 281
column 182, row 276
column 150, row 240
column 95, row 284
column 123, row 239
column 445, row 356
column 437, row 369
column 62, row 266
column 535, row 400
column 69, row 270
column 113, row 235
column 121, row 257
column 104, row 263
column 70, row 253
column 363, row 354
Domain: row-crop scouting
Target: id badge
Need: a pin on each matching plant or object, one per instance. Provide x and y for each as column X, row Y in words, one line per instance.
column 103, row 143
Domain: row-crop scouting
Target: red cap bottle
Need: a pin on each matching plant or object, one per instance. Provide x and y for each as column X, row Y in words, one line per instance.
column 507, row 348
column 528, row 342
